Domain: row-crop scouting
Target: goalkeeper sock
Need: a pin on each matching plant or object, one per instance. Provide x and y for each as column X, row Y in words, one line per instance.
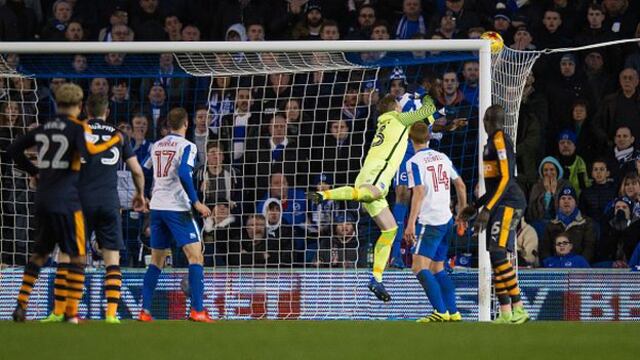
column 448, row 290
column 60, row 289
column 149, row 286
column 196, row 283
column 349, row 193
column 112, row 284
column 29, row 278
column 432, row 289
column 399, row 213
column 381, row 252
column 75, row 287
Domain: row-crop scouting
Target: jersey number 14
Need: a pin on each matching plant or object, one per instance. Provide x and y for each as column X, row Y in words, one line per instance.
column 164, row 159
column 439, row 177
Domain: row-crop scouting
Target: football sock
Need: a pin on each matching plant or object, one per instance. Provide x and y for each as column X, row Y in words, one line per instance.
column 432, row 289
column 112, row 284
column 381, row 252
column 399, row 213
column 75, row 287
column 60, row 289
column 29, row 278
column 349, row 193
column 149, row 286
column 501, row 268
column 196, row 283
column 448, row 290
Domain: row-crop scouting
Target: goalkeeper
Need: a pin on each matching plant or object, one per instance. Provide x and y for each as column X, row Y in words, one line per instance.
column 372, row 184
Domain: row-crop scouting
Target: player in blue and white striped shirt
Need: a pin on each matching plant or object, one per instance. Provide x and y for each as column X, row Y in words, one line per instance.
column 172, row 160
column 430, row 176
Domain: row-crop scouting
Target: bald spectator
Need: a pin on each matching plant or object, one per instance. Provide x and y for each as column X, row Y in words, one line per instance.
column 119, row 16
column 361, row 30
column 621, row 107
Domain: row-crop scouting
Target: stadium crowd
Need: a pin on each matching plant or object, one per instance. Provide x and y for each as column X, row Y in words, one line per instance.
column 263, row 140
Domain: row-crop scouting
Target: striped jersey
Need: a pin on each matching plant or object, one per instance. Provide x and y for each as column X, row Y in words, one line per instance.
column 499, row 174
column 434, row 171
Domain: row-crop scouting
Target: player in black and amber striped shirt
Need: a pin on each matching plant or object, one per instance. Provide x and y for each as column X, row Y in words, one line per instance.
column 503, row 205
column 60, row 143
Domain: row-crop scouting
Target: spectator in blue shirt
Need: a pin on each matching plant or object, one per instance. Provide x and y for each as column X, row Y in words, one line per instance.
column 564, row 257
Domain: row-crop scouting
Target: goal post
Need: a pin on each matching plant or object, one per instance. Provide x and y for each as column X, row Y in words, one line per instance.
column 301, row 52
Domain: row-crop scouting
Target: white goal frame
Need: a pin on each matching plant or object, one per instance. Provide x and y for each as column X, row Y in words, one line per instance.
column 481, row 46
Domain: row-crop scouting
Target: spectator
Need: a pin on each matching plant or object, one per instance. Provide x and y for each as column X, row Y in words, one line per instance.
column 336, row 154
column 278, row 231
column 74, row 32
column 148, row 22
column 114, row 60
column 239, row 128
column 340, row 250
column 575, row 169
column 309, row 27
column 236, row 32
column 121, row 32
column 329, row 30
column 156, row 110
column 502, row 24
column 217, row 181
column 412, row 21
column 79, row 64
column 527, row 245
column 297, row 124
column 447, row 28
column 451, row 95
column 294, row 204
column 465, row 16
column 552, row 35
column 523, row 39
column 220, row 100
column 568, row 219
column 119, row 16
column 379, row 31
column 634, row 263
column 528, row 141
column 99, row 86
column 18, row 22
column 253, row 248
column 632, row 59
column 173, row 27
column 471, row 74
column 141, row 146
column 620, row 235
column 120, row 105
column 599, row 80
column 594, row 32
column 322, row 214
column 278, row 87
column 588, row 142
column 176, row 86
column 255, row 31
column 630, row 188
column 362, row 29
column 190, row 32
column 537, row 104
column 621, row 19
column 595, row 199
column 545, row 193
column 569, row 87
column 55, row 28
column 564, row 256
column 218, row 229
column 201, row 133
column 623, row 156
column 621, row 107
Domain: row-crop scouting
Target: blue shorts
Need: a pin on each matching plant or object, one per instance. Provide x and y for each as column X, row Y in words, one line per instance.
column 433, row 241
column 167, row 225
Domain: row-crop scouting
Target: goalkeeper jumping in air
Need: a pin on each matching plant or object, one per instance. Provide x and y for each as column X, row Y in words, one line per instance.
column 372, row 184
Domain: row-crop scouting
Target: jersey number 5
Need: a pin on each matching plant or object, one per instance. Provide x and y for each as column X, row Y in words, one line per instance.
column 438, row 177
column 166, row 157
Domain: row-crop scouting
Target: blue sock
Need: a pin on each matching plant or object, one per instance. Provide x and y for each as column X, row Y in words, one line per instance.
column 432, row 289
column 196, row 283
column 399, row 213
column 149, row 286
column 448, row 290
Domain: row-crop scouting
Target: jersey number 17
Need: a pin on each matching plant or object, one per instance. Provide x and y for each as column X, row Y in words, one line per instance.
column 164, row 159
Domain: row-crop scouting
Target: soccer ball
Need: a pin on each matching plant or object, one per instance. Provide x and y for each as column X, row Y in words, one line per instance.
column 409, row 102
column 496, row 41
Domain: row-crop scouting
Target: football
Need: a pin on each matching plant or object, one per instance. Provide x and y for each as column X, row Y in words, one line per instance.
column 496, row 41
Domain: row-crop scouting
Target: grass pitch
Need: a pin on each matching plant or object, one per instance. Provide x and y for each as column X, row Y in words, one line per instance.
column 326, row 340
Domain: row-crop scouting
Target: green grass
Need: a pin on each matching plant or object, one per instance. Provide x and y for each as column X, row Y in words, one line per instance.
column 327, row 340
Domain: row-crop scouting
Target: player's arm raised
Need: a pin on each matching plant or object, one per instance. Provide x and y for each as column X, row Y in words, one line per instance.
column 185, row 172
column 426, row 111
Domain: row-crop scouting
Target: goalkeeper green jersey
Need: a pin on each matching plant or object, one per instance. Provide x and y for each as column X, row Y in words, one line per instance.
column 390, row 142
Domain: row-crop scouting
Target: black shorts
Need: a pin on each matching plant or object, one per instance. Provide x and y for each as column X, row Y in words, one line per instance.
column 106, row 222
column 502, row 227
column 67, row 230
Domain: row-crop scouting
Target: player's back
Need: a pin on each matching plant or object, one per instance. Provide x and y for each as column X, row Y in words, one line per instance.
column 166, row 158
column 99, row 174
column 499, row 170
column 390, row 142
column 60, row 143
column 434, row 171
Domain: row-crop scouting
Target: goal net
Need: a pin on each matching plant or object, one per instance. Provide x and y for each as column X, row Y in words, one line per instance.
column 269, row 126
